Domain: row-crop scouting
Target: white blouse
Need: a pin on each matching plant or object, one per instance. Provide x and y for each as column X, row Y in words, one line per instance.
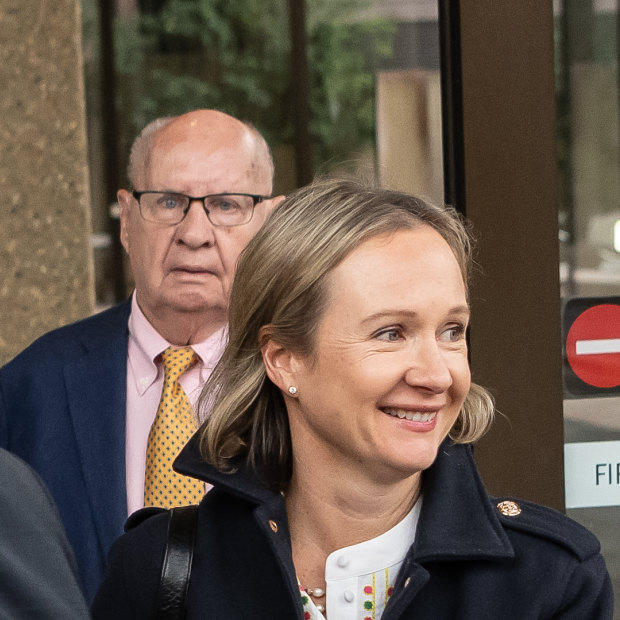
column 360, row 578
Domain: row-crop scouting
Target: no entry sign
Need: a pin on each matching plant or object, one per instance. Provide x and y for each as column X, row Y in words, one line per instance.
column 592, row 346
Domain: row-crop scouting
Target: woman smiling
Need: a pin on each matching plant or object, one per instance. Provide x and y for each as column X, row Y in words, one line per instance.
column 337, row 441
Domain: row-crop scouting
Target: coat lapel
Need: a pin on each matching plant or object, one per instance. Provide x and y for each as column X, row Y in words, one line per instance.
column 96, row 394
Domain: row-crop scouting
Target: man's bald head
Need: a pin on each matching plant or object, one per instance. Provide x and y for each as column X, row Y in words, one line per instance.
column 216, row 129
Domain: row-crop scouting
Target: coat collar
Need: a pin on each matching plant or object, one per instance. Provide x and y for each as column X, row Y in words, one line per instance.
column 243, row 481
column 457, row 519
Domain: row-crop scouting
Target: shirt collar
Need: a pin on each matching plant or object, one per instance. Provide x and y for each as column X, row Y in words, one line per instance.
column 376, row 554
column 146, row 344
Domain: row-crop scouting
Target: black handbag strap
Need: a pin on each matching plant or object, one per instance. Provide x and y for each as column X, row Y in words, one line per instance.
column 177, row 566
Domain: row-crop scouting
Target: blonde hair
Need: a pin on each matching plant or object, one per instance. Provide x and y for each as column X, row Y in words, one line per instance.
column 280, row 286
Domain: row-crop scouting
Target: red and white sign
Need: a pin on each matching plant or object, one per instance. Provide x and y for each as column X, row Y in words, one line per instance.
column 593, row 346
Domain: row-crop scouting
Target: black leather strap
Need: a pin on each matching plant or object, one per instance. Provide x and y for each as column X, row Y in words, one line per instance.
column 177, row 565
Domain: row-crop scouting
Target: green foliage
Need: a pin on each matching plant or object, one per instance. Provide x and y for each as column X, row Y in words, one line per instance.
column 343, row 58
column 235, row 56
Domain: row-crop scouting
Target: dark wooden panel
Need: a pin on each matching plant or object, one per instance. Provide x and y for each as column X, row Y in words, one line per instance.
column 508, row 124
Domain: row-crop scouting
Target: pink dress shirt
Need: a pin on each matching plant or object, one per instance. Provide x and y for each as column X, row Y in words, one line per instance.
column 145, row 379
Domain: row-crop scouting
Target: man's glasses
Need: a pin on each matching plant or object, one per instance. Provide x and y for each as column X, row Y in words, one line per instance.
column 221, row 209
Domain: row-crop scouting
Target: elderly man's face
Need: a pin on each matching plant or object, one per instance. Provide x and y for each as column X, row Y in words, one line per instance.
column 189, row 267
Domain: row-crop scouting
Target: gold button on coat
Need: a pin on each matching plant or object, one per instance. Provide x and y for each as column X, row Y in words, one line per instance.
column 509, row 509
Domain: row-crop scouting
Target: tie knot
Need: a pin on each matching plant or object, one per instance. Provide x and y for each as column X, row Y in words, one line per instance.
column 177, row 361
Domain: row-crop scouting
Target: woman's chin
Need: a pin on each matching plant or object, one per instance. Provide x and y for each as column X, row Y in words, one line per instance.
column 405, row 462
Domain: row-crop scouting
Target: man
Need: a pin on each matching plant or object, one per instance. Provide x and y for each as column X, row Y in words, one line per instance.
column 78, row 404
column 37, row 578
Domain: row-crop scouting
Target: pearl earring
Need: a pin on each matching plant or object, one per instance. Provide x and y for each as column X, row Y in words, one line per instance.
column 292, row 390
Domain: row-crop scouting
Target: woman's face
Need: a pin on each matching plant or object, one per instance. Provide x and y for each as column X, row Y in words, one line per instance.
column 389, row 371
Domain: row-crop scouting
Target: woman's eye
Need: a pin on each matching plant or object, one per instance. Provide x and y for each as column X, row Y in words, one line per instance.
column 390, row 335
column 453, row 333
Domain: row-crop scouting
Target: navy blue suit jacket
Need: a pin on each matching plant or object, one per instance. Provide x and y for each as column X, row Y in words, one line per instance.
column 62, row 410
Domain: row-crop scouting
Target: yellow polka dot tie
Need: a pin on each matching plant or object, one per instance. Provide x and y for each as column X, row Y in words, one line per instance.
column 173, row 426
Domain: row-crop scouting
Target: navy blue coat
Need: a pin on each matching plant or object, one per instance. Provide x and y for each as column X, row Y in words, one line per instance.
column 62, row 410
column 468, row 560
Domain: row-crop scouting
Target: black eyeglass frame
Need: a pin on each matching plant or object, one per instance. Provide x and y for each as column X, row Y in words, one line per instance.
column 256, row 198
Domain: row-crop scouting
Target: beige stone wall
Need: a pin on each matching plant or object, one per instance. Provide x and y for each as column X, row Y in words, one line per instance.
column 46, row 275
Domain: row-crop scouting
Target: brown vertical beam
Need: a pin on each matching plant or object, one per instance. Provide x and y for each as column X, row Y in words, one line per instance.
column 511, row 196
column 111, row 172
column 452, row 104
column 300, row 87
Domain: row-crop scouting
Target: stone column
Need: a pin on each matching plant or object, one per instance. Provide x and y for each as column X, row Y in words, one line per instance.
column 46, row 272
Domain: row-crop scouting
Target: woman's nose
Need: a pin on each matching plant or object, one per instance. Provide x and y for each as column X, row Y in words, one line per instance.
column 428, row 367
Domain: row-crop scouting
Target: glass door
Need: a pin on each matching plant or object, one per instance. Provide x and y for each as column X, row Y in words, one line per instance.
column 588, row 154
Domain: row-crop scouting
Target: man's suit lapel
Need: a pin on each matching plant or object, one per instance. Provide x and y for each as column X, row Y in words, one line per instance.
column 96, row 393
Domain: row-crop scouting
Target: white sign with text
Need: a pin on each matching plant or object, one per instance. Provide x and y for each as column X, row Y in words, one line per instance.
column 592, row 474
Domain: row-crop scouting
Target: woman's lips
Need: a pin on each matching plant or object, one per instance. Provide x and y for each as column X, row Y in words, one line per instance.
column 409, row 414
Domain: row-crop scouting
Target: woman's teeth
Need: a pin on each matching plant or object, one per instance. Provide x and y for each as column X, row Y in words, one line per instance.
column 411, row 415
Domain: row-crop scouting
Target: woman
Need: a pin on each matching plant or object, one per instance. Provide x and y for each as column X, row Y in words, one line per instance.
column 337, row 441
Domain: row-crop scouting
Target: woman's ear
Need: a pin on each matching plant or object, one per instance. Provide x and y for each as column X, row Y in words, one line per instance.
column 280, row 363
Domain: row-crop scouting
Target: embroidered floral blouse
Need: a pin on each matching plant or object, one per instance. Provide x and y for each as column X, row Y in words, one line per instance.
column 360, row 578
